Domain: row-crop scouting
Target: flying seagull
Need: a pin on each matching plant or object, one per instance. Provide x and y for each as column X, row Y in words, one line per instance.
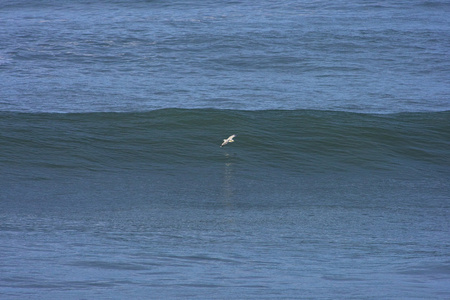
column 228, row 140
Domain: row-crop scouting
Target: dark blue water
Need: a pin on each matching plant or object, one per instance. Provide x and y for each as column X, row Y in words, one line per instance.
column 113, row 184
column 375, row 56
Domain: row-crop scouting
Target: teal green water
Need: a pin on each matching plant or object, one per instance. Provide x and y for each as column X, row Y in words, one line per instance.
column 292, row 141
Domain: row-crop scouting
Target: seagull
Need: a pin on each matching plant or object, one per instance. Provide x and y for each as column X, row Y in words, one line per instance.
column 228, row 140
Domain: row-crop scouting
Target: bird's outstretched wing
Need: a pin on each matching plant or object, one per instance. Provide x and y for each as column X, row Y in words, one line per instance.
column 228, row 140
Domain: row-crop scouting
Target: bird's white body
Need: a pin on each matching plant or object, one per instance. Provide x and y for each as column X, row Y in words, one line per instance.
column 228, row 140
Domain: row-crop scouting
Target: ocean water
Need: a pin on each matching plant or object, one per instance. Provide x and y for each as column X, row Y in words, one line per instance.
column 113, row 184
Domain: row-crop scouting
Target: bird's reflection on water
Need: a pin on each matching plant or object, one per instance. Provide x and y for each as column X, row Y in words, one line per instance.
column 228, row 178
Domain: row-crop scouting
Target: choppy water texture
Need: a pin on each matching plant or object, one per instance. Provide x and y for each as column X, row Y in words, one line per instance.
column 343, row 55
column 113, row 184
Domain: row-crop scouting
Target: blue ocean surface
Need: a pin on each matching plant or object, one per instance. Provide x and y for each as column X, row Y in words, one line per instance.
column 113, row 183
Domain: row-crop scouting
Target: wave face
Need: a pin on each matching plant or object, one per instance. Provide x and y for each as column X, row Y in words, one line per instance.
column 298, row 141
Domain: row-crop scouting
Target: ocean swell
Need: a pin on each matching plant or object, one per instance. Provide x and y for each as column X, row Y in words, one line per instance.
column 295, row 141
